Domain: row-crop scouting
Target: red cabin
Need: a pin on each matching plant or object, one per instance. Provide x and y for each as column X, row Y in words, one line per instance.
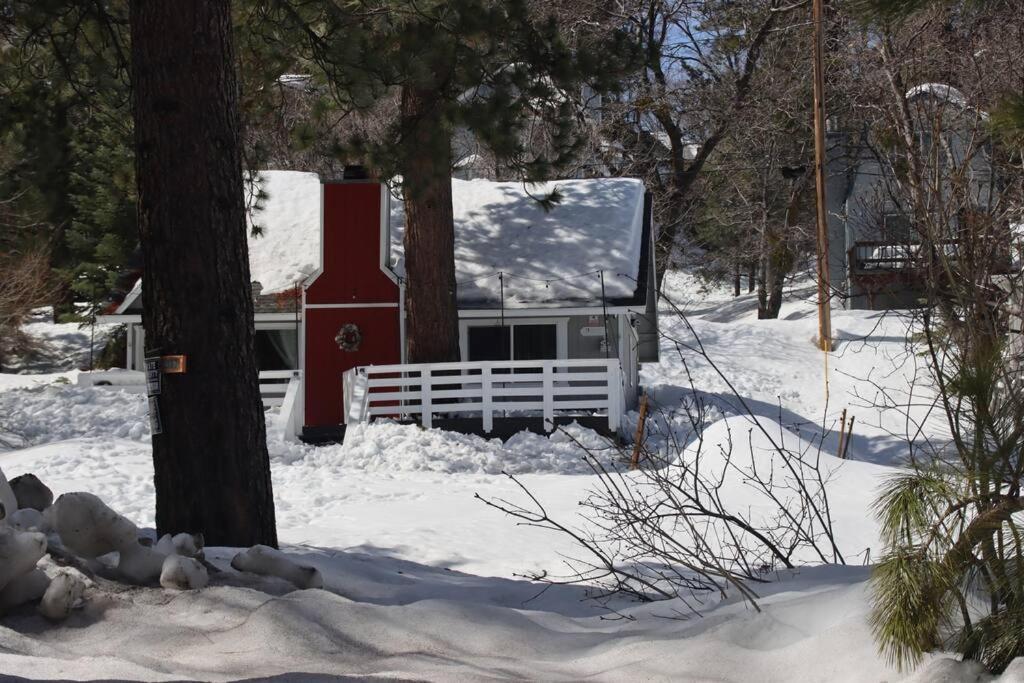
column 544, row 297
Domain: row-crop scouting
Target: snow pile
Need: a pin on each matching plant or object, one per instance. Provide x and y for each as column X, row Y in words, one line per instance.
column 500, row 227
column 382, row 617
column 8, row 382
column 780, row 375
column 385, row 446
column 56, row 412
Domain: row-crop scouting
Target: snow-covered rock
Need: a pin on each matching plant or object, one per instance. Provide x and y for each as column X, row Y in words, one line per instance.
column 8, row 501
column 261, row 559
column 19, row 553
column 28, row 519
column 88, row 527
column 186, row 545
column 183, row 573
column 63, row 594
column 31, row 493
column 140, row 564
column 24, row 589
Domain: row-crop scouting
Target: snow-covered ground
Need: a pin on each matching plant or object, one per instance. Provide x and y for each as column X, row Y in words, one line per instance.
column 62, row 347
column 421, row 577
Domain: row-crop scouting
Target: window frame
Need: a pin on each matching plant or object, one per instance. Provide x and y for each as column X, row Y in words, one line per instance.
column 561, row 325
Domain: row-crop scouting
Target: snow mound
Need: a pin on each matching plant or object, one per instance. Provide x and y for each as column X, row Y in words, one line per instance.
column 386, row 446
column 753, row 440
column 57, row 412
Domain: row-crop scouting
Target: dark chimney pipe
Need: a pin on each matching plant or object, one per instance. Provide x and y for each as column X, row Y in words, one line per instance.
column 355, row 172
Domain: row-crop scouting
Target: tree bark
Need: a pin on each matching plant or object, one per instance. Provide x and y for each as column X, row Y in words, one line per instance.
column 777, row 254
column 212, row 471
column 775, row 281
column 762, row 287
column 432, row 320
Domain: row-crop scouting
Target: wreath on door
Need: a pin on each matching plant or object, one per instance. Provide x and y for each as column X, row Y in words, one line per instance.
column 349, row 337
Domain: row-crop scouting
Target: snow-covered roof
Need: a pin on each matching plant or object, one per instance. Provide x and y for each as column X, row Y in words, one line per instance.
column 939, row 91
column 287, row 250
column 507, row 244
column 943, row 93
column 543, row 257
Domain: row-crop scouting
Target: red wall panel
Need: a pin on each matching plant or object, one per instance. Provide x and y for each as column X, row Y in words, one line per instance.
column 326, row 362
column 351, row 275
column 351, row 247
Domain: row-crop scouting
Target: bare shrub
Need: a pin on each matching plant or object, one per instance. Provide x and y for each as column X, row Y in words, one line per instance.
column 696, row 519
column 24, row 284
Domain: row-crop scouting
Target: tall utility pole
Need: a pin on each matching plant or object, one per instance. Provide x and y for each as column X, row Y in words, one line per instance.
column 824, row 284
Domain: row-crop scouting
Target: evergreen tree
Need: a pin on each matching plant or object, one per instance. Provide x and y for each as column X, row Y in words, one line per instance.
column 210, row 459
column 103, row 233
column 64, row 117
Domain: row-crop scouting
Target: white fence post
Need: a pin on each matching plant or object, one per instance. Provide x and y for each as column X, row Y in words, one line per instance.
column 427, row 418
column 363, row 383
column 290, row 418
column 614, row 395
column 346, row 394
column 487, row 398
column 548, row 399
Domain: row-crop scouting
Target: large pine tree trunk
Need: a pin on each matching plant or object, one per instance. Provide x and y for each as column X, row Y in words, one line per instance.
column 432, row 319
column 211, row 464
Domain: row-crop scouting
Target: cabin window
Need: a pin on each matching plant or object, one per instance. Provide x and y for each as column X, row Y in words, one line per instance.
column 534, row 342
column 277, row 349
column 489, row 343
column 512, row 342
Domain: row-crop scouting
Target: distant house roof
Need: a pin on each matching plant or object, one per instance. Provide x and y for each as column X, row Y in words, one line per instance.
column 945, row 94
column 505, row 243
column 939, row 91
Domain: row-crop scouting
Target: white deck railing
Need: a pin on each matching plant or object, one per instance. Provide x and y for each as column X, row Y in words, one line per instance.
column 488, row 388
column 278, row 388
column 274, row 386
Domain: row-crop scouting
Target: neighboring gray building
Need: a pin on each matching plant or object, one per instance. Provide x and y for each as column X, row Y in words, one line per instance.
column 875, row 256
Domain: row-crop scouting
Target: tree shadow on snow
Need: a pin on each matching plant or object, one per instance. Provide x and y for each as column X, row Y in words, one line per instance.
column 877, row 449
column 373, row 574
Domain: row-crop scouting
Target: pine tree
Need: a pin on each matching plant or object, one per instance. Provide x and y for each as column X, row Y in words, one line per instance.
column 63, row 97
column 211, row 461
column 103, row 233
